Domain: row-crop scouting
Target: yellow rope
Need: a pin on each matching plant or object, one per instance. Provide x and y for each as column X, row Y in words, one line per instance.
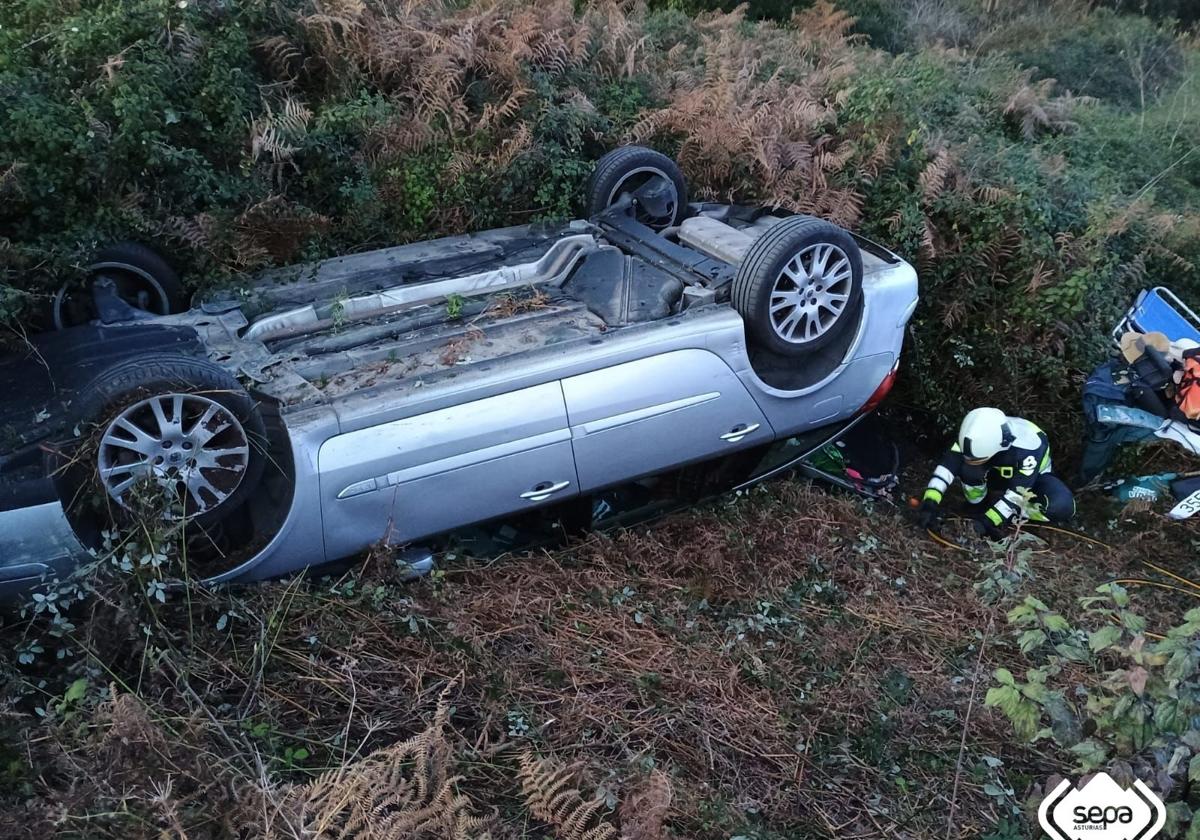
column 938, row 538
column 1158, row 637
column 1186, row 581
column 1143, row 582
column 1171, row 574
column 1069, row 533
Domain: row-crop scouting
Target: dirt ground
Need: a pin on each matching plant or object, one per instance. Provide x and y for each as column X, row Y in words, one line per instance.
column 787, row 663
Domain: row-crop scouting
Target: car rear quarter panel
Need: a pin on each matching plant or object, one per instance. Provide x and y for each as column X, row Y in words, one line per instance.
column 889, row 299
column 657, row 413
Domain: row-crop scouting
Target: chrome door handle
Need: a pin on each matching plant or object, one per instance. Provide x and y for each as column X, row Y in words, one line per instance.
column 544, row 490
column 739, row 431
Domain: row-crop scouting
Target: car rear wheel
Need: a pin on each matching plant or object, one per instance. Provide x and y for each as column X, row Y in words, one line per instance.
column 142, row 279
column 799, row 287
column 651, row 179
column 169, row 436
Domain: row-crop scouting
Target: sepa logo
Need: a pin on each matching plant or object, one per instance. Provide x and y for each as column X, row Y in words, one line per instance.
column 1102, row 810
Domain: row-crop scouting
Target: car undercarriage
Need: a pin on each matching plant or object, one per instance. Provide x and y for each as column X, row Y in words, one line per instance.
column 398, row 393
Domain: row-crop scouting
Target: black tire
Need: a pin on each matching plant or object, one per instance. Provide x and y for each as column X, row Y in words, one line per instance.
column 149, row 283
column 126, row 384
column 621, row 164
column 763, row 267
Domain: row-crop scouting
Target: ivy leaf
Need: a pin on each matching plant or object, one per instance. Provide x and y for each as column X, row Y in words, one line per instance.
column 1071, row 651
column 1055, row 623
column 1035, row 691
column 1063, row 722
column 1022, row 713
column 1181, row 665
column 1025, row 720
column 1133, row 622
column 1105, row 638
column 1194, row 769
column 1167, row 716
column 1178, row 813
column 1020, row 614
column 1004, row 677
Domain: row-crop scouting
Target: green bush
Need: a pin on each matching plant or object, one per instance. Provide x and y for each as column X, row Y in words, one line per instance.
column 241, row 135
column 1124, row 59
column 1137, row 721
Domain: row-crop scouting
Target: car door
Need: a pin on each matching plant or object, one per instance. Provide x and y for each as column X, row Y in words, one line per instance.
column 653, row 414
column 421, row 475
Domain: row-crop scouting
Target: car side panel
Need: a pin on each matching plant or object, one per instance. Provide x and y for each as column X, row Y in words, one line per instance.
column 889, row 298
column 653, row 414
column 420, row 475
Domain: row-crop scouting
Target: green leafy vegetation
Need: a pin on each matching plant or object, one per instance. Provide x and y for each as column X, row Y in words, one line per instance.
column 785, row 665
column 1036, row 160
column 1135, row 720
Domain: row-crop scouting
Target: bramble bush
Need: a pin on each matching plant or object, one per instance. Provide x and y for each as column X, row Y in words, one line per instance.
column 235, row 136
column 1107, row 696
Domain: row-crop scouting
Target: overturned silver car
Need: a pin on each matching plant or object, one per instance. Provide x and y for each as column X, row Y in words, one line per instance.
column 389, row 396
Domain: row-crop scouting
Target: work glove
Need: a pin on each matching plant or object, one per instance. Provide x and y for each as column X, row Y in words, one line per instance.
column 929, row 514
column 985, row 528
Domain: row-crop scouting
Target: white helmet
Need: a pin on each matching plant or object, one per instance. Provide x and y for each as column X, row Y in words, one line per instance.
column 983, row 433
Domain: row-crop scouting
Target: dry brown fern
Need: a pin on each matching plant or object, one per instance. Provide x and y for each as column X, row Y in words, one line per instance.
column 553, row 800
column 402, row 792
column 935, row 176
column 826, row 26
column 10, row 179
column 425, row 56
column 273, row 229
column 749, row 134
column 1041, row 275
column 282, row 57
column 1036, row 110
column 274, row 133
column 991, row 194
column 644, row 809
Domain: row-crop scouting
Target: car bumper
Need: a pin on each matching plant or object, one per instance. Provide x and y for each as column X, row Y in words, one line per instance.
column 36, row 543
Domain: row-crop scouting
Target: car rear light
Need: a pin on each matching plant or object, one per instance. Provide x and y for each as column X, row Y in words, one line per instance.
column 882, row 391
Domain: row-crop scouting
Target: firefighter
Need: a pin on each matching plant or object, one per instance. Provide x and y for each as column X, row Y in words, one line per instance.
column 1004, row 465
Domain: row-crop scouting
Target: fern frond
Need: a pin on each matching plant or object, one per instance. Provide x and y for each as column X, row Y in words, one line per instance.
column 552, row 798
column 396, row 793
column 933, row 178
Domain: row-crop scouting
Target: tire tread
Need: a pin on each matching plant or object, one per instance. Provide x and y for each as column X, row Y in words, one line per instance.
column 626, row 157
column 764, row 252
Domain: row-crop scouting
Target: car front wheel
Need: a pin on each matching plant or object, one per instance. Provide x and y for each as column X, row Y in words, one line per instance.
column 140, row 277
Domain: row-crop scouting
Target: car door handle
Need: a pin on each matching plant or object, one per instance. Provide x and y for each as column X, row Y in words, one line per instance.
column 739, row 431
column 544, row 490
